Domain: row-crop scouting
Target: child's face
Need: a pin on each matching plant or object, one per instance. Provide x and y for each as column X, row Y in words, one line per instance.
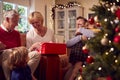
column 80, row 23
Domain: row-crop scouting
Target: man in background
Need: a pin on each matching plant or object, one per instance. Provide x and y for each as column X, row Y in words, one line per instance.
column 77, row 57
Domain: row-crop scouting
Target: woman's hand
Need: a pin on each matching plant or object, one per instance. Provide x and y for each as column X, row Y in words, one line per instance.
column 36, row 46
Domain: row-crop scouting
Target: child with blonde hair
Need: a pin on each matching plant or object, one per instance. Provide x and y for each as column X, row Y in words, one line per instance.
column 17, row 62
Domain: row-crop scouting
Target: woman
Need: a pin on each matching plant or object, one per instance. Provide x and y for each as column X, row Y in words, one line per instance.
column 39, row 34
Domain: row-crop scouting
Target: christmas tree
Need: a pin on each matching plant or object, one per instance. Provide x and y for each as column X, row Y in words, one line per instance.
column 104, row 60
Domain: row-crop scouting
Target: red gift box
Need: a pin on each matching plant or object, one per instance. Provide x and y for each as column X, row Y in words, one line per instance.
column 53, row 48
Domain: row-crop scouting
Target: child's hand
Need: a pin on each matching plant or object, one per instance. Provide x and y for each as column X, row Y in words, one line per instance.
column 84, row 38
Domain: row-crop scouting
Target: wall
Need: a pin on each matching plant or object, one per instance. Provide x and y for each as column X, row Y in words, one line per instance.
column 20, row 2
column 45, row 7
column 87, row 4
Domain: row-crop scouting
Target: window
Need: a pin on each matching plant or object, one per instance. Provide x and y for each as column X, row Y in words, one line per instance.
column 22, row 10
column 0, row 11
column 8, row 6
column 22, row 26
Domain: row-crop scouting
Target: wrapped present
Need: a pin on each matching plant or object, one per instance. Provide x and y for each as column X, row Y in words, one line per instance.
column 53, row 48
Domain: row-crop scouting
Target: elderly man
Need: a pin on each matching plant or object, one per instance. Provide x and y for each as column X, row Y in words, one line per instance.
column 10, row 38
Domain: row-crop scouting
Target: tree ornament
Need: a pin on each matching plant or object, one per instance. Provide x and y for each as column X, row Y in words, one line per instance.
column 108, row 78
column 89, row 59
column 85, row 47
column 113, row 9
column 91, row 20
column 96, row 18
column 117, row 39
column 101, row 78
column 117, row 29
column 98, row 24
column 79, row 77
column 104, row 41
column 80, row 70
column 85, row 51
column 116, row 20
column 118, row 13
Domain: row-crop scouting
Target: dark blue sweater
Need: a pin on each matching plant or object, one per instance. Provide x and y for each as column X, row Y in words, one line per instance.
column 23, row 73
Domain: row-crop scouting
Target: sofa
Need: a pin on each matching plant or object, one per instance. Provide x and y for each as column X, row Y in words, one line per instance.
column 60, row 64
column 60, row 61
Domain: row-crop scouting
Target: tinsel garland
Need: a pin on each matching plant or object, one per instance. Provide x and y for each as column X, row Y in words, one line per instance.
column 62, row 6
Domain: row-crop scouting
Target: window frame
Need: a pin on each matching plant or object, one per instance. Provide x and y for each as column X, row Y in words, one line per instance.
column 16, row 6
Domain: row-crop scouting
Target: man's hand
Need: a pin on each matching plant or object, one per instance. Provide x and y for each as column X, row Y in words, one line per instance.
column 78, row 33
column 2, row 46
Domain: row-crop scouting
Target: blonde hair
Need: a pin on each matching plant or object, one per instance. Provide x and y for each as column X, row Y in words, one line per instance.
column 18, row 57
column 35, row 16
column 11, row 14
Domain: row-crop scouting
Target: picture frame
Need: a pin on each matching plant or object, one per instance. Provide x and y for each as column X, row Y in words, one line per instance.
column 91, row 15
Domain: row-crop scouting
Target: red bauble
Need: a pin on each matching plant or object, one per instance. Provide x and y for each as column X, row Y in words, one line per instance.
column 109, row 78
column 85, row 51
column 117, row 29
column 89, row 59
column 91, row 20
column 118, row 13
column 104, row 41
column 98, row 24
column 80, row 69
column 117, row 39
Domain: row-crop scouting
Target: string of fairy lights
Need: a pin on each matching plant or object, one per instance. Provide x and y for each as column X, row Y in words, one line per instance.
column 62, row 6
column 114, row 7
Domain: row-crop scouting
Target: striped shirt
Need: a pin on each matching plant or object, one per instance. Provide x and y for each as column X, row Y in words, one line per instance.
column 86, row 32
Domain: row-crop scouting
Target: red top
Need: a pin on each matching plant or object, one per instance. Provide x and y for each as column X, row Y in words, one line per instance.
column 10, row 39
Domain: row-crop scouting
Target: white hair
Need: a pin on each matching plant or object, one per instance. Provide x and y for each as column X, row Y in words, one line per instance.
column 10, row 13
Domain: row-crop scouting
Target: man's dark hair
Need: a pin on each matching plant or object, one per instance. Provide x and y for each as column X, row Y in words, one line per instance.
column 80, row 17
